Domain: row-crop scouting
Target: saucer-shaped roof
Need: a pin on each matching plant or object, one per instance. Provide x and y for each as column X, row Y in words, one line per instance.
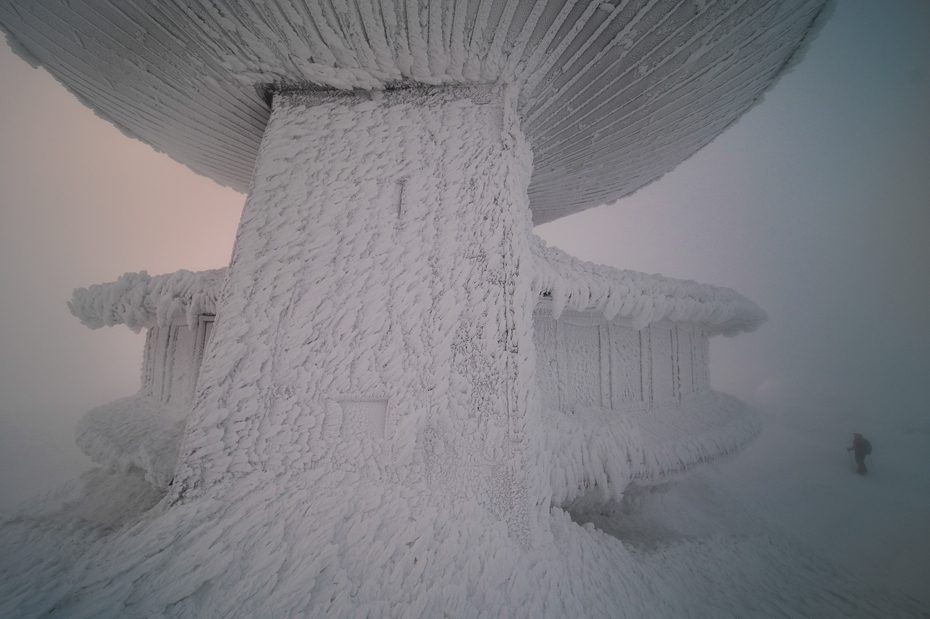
column 613, row 93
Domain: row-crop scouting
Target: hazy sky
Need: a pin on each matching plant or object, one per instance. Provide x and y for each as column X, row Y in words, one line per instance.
column 816, row 205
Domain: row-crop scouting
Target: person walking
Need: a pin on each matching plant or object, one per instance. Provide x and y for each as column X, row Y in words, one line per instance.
column 861, row 447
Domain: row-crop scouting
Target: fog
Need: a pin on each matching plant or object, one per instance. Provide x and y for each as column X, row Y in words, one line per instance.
column 816, row 205
column 80, row 204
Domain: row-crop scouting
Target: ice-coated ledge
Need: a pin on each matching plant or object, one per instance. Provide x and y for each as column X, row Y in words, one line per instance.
column 577, row 285
column 141, row 301
column 135, row 432
column 594, row 455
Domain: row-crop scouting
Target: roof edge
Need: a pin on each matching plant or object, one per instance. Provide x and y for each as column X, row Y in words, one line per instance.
column 577, row 285
column 141, row 301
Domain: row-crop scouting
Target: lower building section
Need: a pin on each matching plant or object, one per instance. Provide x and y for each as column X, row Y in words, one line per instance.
column 620, row 407
column 144, row 431
column 583, row 359
column 594, row 455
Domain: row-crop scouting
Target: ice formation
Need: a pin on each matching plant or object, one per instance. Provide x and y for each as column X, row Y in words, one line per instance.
column 395, row 401
column 140, row 301
column 577, row 285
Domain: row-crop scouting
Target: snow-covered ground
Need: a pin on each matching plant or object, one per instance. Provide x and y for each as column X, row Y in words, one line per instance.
column 789, row 507
column 798, row 478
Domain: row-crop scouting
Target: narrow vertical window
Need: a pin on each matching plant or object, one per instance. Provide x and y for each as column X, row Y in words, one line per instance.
column 204, row 331
column 398, row 197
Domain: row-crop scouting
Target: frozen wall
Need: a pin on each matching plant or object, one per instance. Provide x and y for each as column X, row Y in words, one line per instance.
column 585, row 360
column 624, row 407
column 377, row 312
column 620, row 360
column 604, row 340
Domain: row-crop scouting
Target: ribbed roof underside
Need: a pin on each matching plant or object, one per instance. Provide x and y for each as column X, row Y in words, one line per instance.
column 613, row 94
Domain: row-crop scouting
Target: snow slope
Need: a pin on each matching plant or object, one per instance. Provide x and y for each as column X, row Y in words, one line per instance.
column 800, row 481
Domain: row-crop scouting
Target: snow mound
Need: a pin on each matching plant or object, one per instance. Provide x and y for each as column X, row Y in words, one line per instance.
column 135, row 432
column 295, row 558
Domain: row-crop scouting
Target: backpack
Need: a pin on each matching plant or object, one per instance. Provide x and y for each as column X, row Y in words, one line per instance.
column 866, row 447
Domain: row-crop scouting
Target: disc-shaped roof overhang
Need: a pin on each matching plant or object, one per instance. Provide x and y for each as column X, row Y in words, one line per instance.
column 613, row 94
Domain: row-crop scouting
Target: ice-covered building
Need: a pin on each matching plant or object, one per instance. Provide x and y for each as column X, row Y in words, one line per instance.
column 144, row 431
column 399, row 373
column 622, row 372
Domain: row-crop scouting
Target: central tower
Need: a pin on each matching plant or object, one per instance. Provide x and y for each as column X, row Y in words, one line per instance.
column 377, row 312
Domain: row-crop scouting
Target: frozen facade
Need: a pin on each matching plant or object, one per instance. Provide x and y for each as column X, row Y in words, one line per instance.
column 624, row 389
column 394, row 397
column 144, row 431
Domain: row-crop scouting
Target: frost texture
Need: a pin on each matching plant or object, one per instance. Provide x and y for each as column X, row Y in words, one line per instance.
column 144, row 432
column 134, row 433
column 355, row 252
column 596, row 455
column 577, row 285
column 613, row 94
column 141, row 301
column 368, row 436
column 356, row 549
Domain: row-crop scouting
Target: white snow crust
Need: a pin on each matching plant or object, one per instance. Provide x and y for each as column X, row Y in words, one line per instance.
column 612, row 94
column 143, row 433
column 137, row 432
column 360, row 289
column 359, row 549
column 595, row 456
